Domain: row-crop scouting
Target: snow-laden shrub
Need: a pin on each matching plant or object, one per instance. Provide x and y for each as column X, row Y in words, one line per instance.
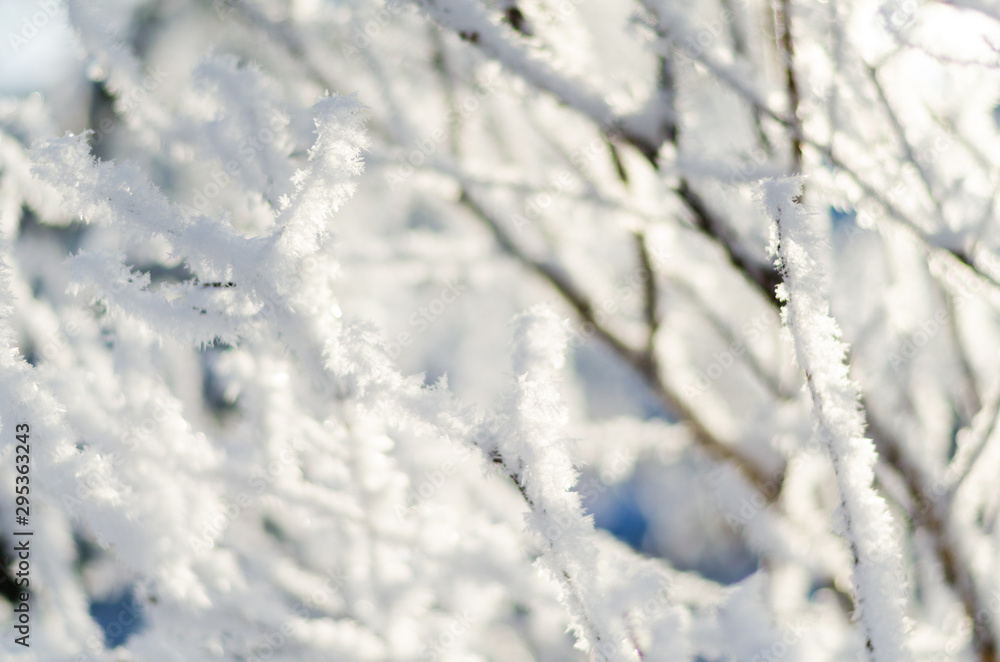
column 509, row 330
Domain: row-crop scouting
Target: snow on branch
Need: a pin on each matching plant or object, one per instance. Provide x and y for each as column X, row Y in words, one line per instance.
column 121, row 197
column 471, row 22
column 526, row 436
column 879, row 582
column 335, row 162
column 254, row 271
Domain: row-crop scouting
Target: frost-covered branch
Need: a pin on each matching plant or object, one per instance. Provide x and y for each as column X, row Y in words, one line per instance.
column 526, row 437
column 255, row 370
column 878, row 577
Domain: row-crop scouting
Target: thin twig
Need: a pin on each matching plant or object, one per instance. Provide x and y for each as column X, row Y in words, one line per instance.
column 721, row 327
column 786, row 50
column 900, row 132
column 643, row 363
column 932, row 515
column 651, row 295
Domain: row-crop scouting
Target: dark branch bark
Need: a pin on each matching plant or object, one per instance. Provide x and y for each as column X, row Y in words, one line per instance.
column 786, row 50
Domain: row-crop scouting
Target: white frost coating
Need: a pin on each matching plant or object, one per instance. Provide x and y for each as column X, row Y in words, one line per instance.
column 256, row 410
column 529, row 441
column 879, row 582
column 472, row 20
column 263, row 271
column 527, row 437
column 335, row 160
column 334, row 471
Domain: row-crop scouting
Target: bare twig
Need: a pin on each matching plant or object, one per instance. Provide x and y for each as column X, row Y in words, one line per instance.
column 721, row 327
column 651, row 294
column 908, row 152
column 786, row 51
